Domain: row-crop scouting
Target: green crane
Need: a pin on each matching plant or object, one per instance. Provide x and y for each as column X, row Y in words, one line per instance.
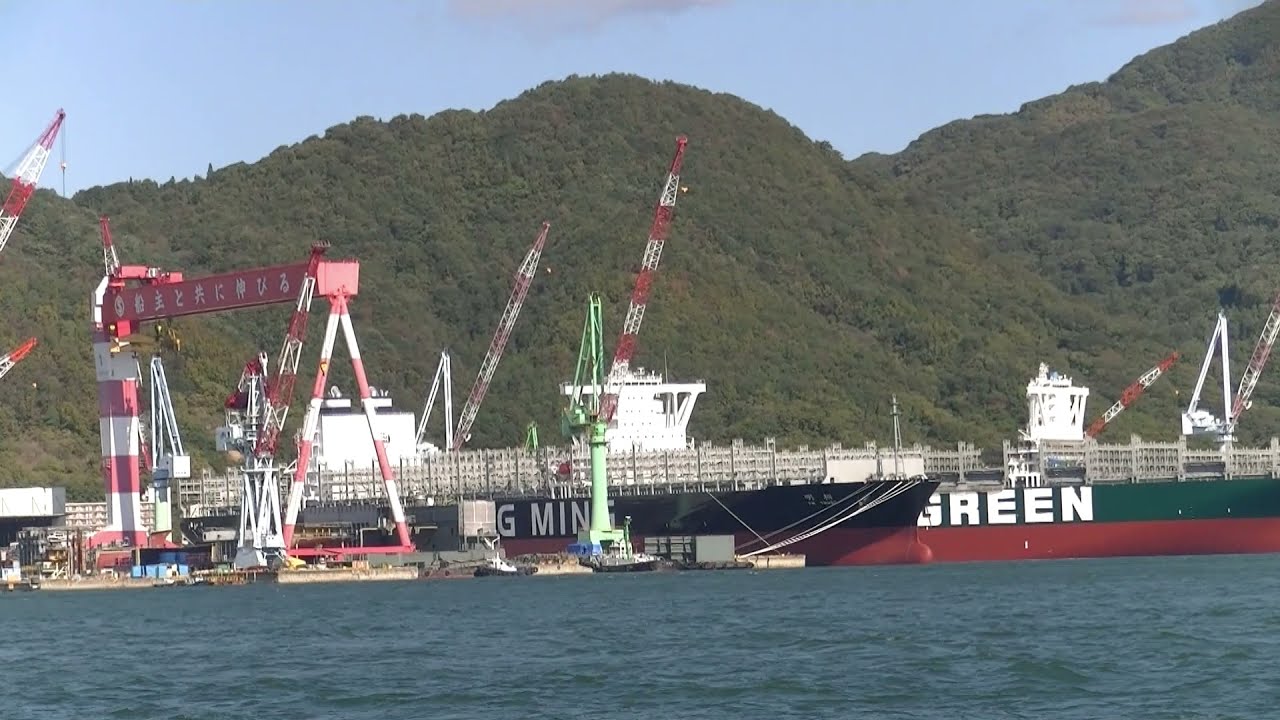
column 582, row 417
column 531, row 437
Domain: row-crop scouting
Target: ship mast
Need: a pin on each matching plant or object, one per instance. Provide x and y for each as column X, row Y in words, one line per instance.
column 897, row 442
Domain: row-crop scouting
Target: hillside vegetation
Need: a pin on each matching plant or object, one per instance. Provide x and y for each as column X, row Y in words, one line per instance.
column 1094, row 230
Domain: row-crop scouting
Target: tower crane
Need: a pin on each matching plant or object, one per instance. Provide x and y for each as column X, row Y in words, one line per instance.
column 443, row 377
column 1131, row 394
column 1196, row 421
column 1257, row 361
column 171, row 462
column 524, row 277
column 26, row 176
column 582, row 419
column 626, row 347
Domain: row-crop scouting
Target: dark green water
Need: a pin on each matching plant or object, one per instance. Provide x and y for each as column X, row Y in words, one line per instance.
column 1151, row 638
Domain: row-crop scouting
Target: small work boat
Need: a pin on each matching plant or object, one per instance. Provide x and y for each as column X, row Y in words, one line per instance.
column 496, row 566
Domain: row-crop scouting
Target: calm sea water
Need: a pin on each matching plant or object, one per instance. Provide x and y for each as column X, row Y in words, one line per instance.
column 1151, row 638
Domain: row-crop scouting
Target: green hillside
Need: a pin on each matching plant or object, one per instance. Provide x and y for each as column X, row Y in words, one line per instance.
column 1094, row 230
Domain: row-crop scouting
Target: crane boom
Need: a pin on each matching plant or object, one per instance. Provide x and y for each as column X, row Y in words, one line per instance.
column 662, row 216
column 279, row 389
column 26, row 176
column 1257, row 361
column 14, row 356
column 1132, row 393
column 524, row 277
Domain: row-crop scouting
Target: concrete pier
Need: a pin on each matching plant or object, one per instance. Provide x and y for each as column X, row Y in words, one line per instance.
column 328, row 575
column 96, row 583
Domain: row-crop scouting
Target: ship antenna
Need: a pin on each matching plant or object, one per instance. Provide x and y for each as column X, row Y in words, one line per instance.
column 897, row 442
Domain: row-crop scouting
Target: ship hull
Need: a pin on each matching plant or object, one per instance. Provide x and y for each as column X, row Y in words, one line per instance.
column 862, row 523
column 1144, row 519
column 837, row 546
column 823, row 522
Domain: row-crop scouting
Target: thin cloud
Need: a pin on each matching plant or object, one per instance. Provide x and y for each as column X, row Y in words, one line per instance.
column 575, row 14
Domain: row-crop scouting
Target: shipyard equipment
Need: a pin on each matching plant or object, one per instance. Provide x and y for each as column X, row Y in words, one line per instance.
column 25, row 178
column 524, row 277
column 1197, row 421
column 626, row 347
column 582, row 420
column 339, row 282
column 1131, row 394
column 169, row 461
column 1257, row 361
column 260, row 540
column 443, row 380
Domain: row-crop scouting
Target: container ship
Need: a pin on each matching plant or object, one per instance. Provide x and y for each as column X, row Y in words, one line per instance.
column 1063, row 495
column 1057, row 493
column 834, row 506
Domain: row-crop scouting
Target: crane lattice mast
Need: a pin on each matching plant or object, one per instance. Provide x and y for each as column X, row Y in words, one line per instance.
column 443, row 377
column 1132, row 393
column 25, row 178
column 626, row 347
column 1257, row 361
column 14, row 356
column 524, row 277
column 279, row 389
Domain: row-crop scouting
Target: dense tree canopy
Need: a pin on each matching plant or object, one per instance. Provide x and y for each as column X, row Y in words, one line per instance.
column 1094, row 230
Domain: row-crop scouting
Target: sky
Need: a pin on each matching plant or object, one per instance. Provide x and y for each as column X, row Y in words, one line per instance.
column 164, row 89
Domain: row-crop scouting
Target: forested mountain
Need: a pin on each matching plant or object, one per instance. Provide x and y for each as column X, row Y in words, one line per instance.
column 1094, row 230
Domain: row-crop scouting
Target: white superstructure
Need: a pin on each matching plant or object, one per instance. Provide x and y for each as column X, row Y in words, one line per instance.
column 1055, row 408
column 1055, row 413
column 343, row 440
column 652, row 414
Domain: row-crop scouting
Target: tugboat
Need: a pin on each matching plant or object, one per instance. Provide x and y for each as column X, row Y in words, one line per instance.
column 495, row 565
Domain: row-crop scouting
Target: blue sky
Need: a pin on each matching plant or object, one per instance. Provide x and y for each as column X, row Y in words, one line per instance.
column 159, row 89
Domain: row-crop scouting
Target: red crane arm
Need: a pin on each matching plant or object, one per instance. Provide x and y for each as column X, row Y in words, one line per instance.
column 626, row 347
column 26, row 176
column 1131, row 394
column 279, row 389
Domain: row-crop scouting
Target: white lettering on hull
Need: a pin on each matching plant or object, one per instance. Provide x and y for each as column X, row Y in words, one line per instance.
column 544, row 518
column 1061, row 504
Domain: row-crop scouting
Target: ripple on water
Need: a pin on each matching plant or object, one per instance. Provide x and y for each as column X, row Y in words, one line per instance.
column 1159, row 638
